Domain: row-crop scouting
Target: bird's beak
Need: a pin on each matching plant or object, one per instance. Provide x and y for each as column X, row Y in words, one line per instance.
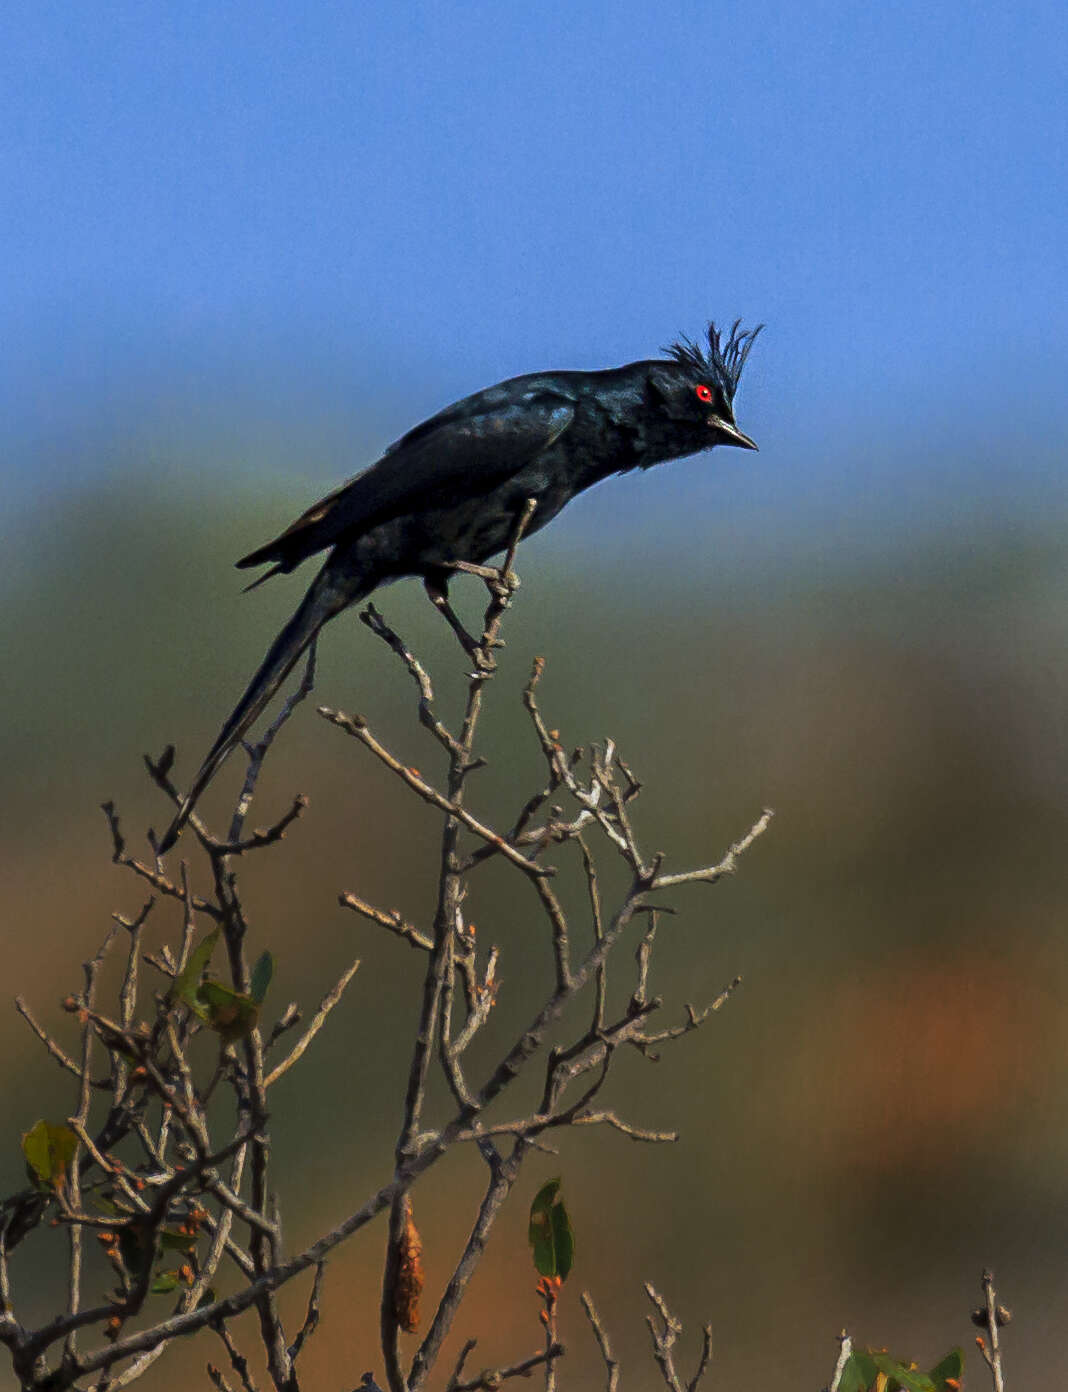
column 731, row 434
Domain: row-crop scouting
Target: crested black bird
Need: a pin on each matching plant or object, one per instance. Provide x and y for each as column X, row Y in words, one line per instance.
column 451, row 490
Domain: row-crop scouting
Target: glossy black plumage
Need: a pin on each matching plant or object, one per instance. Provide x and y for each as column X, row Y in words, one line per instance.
column 451, row 490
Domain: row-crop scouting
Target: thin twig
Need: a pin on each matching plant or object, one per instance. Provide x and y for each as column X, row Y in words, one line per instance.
column 491, row 1378
column 454, row 1381
column 589, row 865
column 704, row 1361
column 726, row 866
column 390, row 919
column 600, row 1334
column 80, row 1118
column 845, row 1352
column 137, row 1369
column 664, row 1338
column 311, row 1318
column 694, row 1018
column 238, row 1361
column 318, row 1021
column 503, row 1174
column 256, row 755
column 156, row 878
column 7, row 1314
column 996, row 1316
column 356, row 726
column 64, row 1060
column 377, row 624
column 635, row 1133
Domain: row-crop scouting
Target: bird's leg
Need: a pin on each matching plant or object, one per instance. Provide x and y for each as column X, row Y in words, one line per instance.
column 502, row 584
column 469, row 568
column 437, row 589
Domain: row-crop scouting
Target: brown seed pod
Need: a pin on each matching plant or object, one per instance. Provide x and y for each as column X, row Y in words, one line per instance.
column 409, row 1284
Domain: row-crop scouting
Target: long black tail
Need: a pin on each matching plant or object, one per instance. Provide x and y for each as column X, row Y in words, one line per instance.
column 328, row 594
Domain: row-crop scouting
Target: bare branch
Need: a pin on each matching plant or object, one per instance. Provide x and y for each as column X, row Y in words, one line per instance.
column 561, row 944
column 256, row 755
column 503, row 1174
column 266, row 837
column 10, row 1330
column 318, row 1021
column 589, row 865
column 128, row 989
column 390, row 919
column 156, row 878
column 664, row 1339
column 137, row 1369
column 994, row 1316
column 491, row 1378
column 845, row 1352
column 467, row 1349
column 636, row 1133
column 485, row 996
column 726, row 866
column 217, row 1379
column 377, row 624
column 599, row 1333
column 73, row 1179
column 704, row 1361
column 311, row 1318
column 238, row 1361
column 356, row 726
column 694, row 1018
column 64, row 1060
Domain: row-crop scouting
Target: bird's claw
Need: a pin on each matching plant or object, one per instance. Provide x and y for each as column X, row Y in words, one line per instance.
column 485, row 662
column 502, row 585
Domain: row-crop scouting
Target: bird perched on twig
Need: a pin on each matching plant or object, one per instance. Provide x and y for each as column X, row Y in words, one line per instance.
column 449, row 493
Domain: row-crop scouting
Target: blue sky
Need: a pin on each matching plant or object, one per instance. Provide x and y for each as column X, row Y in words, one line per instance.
column 359, row 211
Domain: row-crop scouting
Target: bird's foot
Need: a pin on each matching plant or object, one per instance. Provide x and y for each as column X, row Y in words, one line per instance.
column 502, row 584
column 486, row 573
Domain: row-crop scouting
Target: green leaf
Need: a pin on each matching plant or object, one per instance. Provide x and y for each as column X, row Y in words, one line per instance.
column 952, row 1366
column 49, row 1151
column 551, row 1236
column 227, row 1012
column 165, row 1282
column 563, row 1240
column 188, row 980
column 902, row 1378
column 261, row 977
column 171, row 1241
column 859, row 1373
column 862, row 1373
column 543, row 1199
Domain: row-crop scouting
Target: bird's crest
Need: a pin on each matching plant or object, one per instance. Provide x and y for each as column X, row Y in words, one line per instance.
column 723, row 362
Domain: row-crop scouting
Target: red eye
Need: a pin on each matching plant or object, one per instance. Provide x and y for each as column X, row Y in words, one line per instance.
column 704, row 393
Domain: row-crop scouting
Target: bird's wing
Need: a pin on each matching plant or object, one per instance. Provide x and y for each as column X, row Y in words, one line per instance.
column 449, row 458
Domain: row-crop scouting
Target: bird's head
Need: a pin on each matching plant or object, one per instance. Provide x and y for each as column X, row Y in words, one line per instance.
column 695, row 387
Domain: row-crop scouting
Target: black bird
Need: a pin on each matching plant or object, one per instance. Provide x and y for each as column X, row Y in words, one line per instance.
column 452, row 489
